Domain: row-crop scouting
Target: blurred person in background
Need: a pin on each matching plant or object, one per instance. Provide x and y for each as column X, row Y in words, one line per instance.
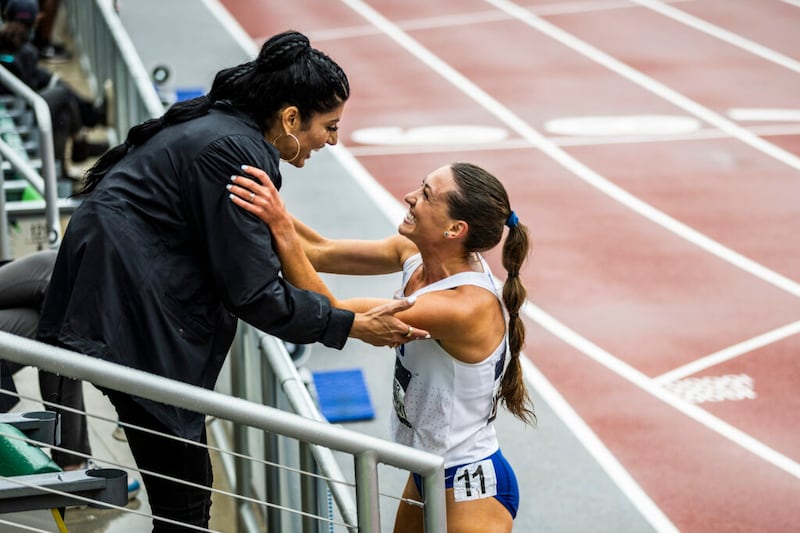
column 49, row 50
column 71, row 114
column 23, row 283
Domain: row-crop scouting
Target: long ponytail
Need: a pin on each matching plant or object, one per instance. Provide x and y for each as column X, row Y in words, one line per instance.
column 482, row 201
column 513, row 391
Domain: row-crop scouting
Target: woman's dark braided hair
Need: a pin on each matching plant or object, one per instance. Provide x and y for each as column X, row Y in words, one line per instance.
column 287, row 71
column 482, row 202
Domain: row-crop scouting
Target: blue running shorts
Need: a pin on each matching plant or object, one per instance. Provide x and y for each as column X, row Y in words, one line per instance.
column 489, row 477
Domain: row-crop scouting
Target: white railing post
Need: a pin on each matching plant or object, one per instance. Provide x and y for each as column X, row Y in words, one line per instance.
column 369, row 509
column 49, row 187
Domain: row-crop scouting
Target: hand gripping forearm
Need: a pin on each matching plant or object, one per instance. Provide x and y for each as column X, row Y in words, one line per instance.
column 380, row 327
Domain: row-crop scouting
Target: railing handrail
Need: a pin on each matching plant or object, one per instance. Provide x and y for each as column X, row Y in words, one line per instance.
column 301, row 402
column 146, row 385
column 48, row 189
column 107, row 53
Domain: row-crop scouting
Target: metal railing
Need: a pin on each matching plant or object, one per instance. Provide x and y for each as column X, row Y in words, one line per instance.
column 273, row 371
column 367, row 451
column 108, row 56
column 46, row 184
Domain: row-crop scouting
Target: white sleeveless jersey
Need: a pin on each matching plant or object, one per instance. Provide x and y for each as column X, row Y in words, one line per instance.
column 443, row 405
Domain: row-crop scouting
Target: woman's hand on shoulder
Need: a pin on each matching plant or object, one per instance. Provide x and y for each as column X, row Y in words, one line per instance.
column 258, row 195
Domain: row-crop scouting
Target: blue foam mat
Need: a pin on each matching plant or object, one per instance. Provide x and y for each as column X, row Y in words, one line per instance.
column 343, row 395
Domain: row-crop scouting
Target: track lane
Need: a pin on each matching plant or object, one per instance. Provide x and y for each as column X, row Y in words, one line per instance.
column 771, row 23
column 698, row 66
column 702, row 481
column 634, row 308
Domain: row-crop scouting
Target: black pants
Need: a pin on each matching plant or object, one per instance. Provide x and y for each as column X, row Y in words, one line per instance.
column 163, row 455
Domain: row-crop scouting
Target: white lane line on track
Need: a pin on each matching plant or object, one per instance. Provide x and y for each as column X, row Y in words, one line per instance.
column 764, row 114
column 729, row 353
column 395, row 211
column 652, row 513
column 721, row 34
column 522, row 144
column 646, row 82
column 576, row 167
column 475, row 17
column 648, row 385
column 232, row 27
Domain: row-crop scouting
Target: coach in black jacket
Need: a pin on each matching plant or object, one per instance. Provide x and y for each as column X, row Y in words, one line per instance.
column 157, row 264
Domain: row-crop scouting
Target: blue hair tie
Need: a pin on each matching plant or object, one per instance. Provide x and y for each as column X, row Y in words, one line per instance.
column 512, row 220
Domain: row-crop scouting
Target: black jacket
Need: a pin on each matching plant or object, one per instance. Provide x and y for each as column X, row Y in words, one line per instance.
column 157, row 263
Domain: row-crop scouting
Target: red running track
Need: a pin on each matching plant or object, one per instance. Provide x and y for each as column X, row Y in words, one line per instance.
column 660, row 255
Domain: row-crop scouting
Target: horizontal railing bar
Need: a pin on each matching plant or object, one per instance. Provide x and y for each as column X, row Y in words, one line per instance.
column 139, row 383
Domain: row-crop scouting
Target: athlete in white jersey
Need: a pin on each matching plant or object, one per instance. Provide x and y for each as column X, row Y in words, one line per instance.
column 447, row 387
column 443, row 405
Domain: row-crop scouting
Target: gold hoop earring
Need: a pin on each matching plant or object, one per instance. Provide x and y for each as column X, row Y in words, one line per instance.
column 275, row 144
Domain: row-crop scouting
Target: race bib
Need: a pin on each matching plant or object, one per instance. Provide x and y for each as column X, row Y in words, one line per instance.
column 475, row 481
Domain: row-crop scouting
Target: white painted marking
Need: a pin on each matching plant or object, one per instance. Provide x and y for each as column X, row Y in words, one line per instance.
column 637, row 77
column 474, row 17
column 616, row 471
column 232, row 26
column 714, row 389
column 623, row 125
column 706, row 133
column 721, row 34
column 764, row 115
column 520, row 144
column 465, row 19
column 729, row 353
column 430, row 135
column 626, row 371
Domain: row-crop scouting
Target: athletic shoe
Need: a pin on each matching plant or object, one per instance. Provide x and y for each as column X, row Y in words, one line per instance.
column 133, row 488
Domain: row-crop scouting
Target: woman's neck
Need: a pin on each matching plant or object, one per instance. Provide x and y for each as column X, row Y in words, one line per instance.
column 436, row 267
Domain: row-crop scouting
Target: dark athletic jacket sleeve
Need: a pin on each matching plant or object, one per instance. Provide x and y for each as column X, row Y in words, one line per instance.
column 243, row 263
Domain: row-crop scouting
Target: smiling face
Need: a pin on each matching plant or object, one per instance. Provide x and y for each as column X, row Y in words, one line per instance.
column 321, row 129
column 428, row 216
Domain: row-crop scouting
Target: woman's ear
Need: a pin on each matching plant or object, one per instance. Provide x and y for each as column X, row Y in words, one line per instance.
column 290, row 117
column 458, row 229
